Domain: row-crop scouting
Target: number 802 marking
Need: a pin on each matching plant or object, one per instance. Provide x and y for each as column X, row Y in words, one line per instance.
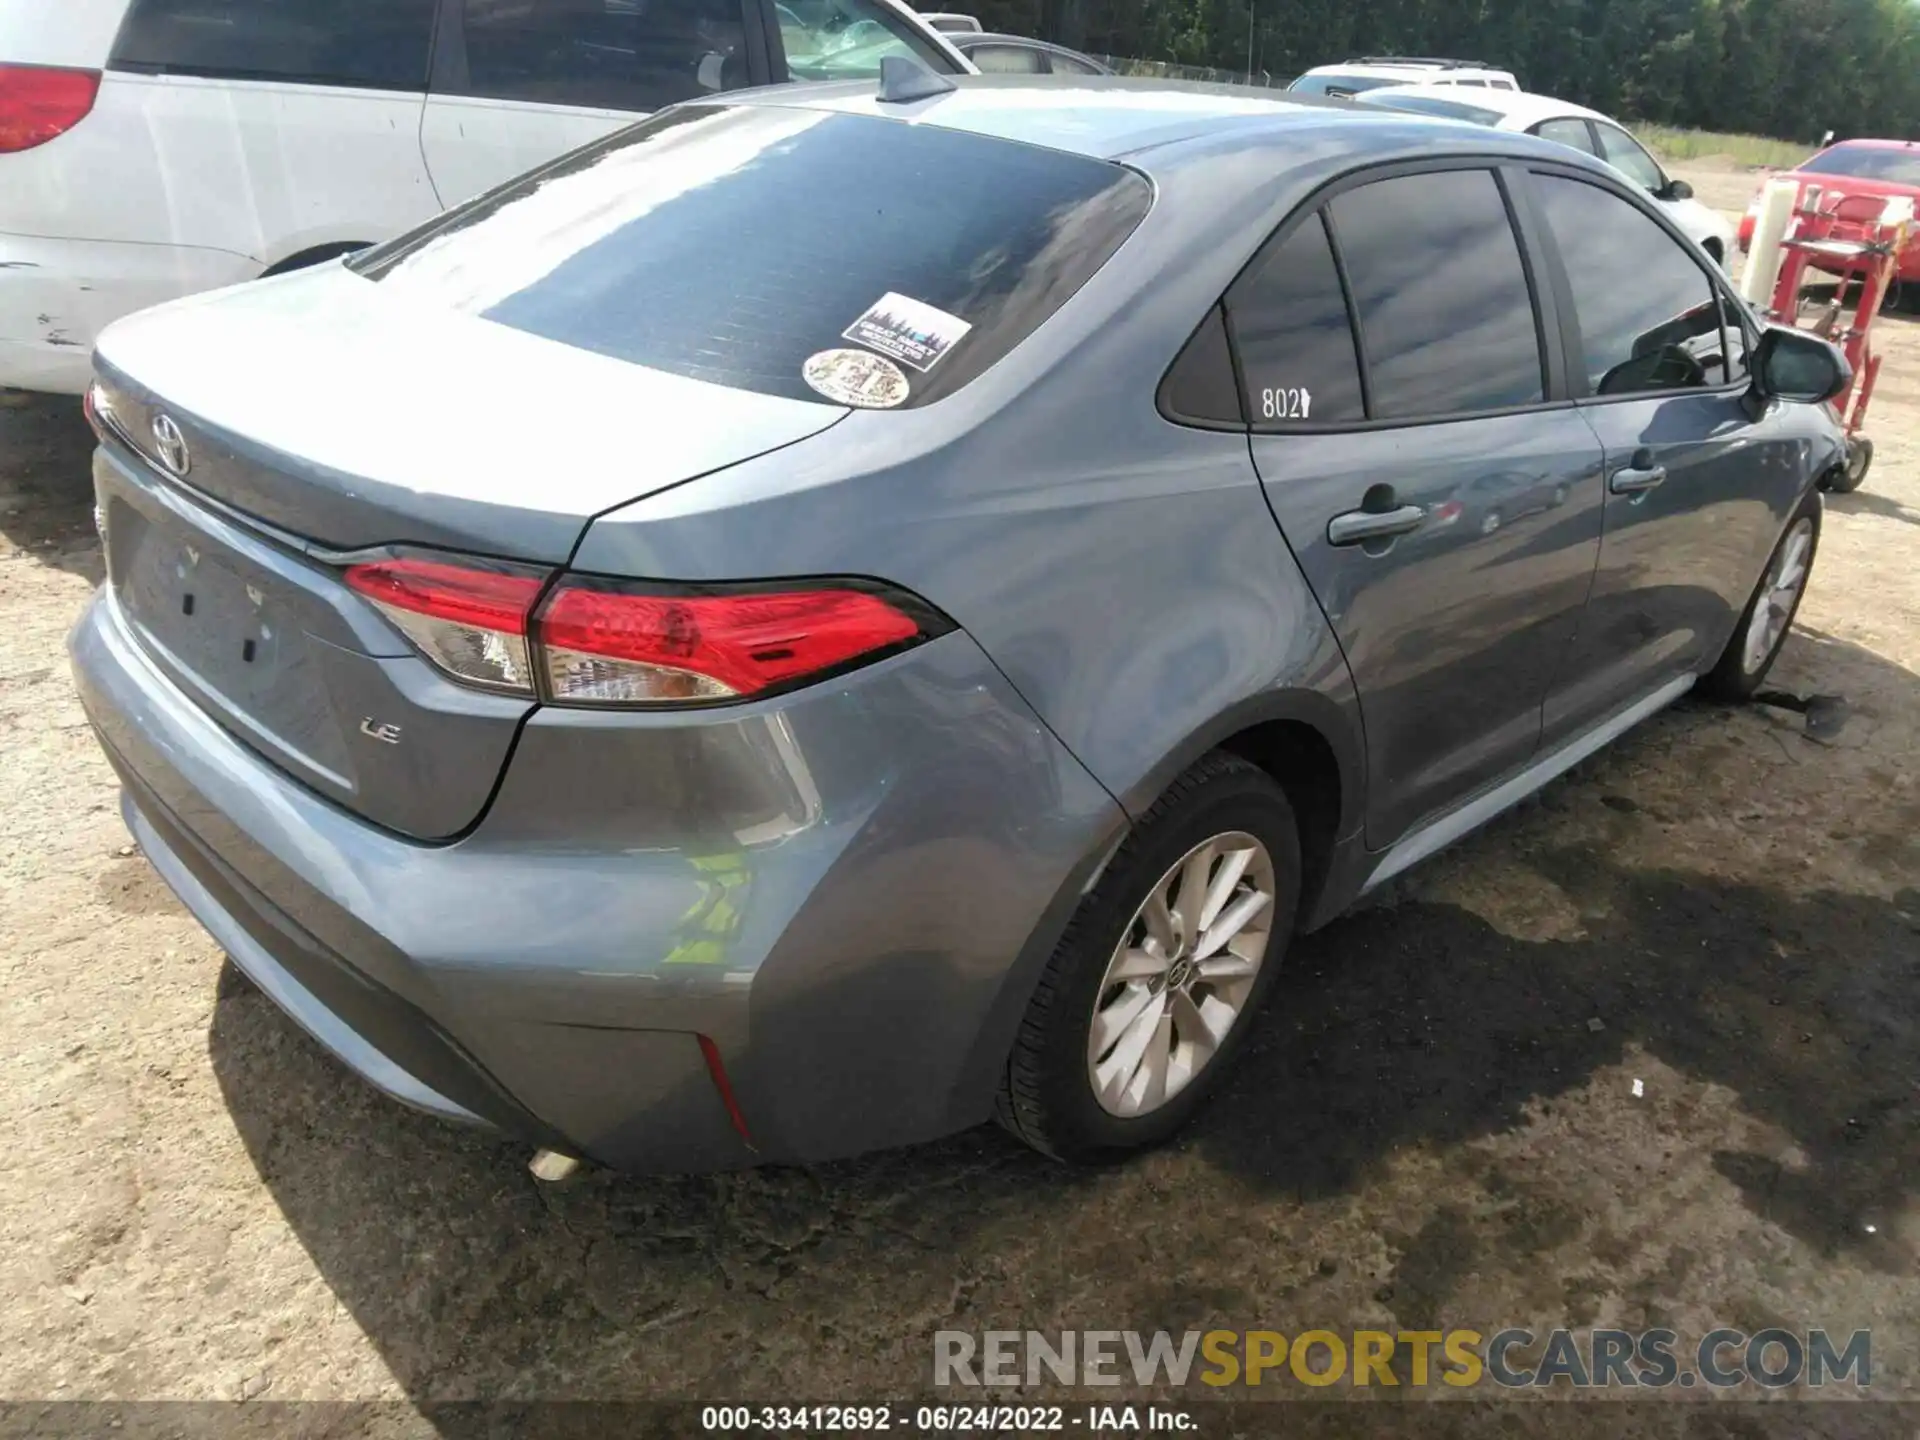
column 1286, row 404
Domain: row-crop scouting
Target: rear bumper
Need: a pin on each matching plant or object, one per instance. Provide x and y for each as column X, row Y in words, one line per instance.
column 56, row 296
column 849, row 891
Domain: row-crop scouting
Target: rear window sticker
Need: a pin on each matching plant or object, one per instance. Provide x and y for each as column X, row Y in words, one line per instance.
column 1294, row 402
column 911, row 332
column 857, row 377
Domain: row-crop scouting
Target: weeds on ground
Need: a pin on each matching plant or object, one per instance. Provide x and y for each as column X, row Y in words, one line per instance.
column 1755, row 150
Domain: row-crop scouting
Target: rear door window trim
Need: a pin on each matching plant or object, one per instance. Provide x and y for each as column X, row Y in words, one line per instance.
column 1547, row 308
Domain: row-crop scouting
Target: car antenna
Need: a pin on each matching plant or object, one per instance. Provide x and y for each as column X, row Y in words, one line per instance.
column 904, row 80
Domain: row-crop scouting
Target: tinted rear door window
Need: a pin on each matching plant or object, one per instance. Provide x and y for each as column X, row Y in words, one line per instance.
column 1647, row 312
column 1446, row 318
column 375, row 44
column 1294, row 337
column 731, row 244
column 611, row 54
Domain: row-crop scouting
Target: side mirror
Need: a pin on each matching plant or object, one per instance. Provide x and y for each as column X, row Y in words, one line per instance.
column 1791, row 364
column 1674, row 190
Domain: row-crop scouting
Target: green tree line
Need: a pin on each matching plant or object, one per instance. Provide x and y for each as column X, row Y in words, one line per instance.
column 1785, row 68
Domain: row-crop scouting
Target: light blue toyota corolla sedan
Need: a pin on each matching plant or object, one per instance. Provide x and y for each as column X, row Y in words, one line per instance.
column 829, row 616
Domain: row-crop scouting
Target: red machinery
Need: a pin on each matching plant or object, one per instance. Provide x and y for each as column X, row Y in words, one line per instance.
column 1857, row 238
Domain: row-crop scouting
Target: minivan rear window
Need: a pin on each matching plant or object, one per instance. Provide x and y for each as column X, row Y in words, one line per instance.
column 740, row 244
column 373, row 44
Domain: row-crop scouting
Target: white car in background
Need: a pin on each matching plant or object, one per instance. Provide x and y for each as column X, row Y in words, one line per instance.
column 1583, row 129
column 153, row 148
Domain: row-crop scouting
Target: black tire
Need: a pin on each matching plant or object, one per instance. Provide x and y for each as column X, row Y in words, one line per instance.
column 1046, row 1096
column 1852, row 475
column 1731, row 678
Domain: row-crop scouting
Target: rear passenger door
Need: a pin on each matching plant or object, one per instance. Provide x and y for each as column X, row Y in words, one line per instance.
column 1699, row 481
column 1414, row 441
column 515, row 84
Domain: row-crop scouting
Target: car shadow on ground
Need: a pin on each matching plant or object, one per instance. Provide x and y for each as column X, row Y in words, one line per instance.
column 46, row 481
column 1410, row 1027
column 1864, row 502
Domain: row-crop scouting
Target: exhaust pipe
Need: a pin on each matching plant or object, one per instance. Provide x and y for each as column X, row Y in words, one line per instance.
column 552, row 1167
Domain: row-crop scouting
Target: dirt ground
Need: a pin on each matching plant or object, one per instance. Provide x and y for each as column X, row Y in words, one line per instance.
column 1438, row 1124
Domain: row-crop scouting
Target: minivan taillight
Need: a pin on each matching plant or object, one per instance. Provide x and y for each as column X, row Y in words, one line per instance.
column 594, row 641
column 39, row 102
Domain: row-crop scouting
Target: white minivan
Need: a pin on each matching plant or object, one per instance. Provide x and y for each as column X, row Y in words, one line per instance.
column 152, row 148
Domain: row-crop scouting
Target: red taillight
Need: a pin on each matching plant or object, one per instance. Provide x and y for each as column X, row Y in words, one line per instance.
column 472, row 623
column 39, row 102
column 597, row 643
column 617, row 647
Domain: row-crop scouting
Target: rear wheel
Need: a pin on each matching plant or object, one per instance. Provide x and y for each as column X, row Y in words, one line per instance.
column 1769, row 614
column 1153, row 987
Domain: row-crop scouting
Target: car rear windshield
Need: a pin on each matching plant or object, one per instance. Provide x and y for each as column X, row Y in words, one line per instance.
column 1433, row 105
column 1868, row 162
column 1342, row 86
column 740, row 244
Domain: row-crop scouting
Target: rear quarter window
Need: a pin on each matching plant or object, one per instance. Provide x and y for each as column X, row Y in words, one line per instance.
column 737, row 244
column 373, row 44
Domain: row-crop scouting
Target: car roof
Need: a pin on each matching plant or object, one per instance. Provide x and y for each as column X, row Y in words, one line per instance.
column 972, row 38
column 1519, row 108
column 1107, row 117
column 1375, row 68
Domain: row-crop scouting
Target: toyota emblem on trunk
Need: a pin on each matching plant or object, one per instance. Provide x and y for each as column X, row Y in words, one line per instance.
column 171, row 444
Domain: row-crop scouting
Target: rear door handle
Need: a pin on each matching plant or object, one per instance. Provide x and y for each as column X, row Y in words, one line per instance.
column 1638, row 475
column 1356, row 527
column 1629, row 481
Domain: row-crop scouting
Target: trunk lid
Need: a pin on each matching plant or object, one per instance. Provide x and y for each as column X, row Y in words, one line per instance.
column 321, row 418
column 353, row 415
